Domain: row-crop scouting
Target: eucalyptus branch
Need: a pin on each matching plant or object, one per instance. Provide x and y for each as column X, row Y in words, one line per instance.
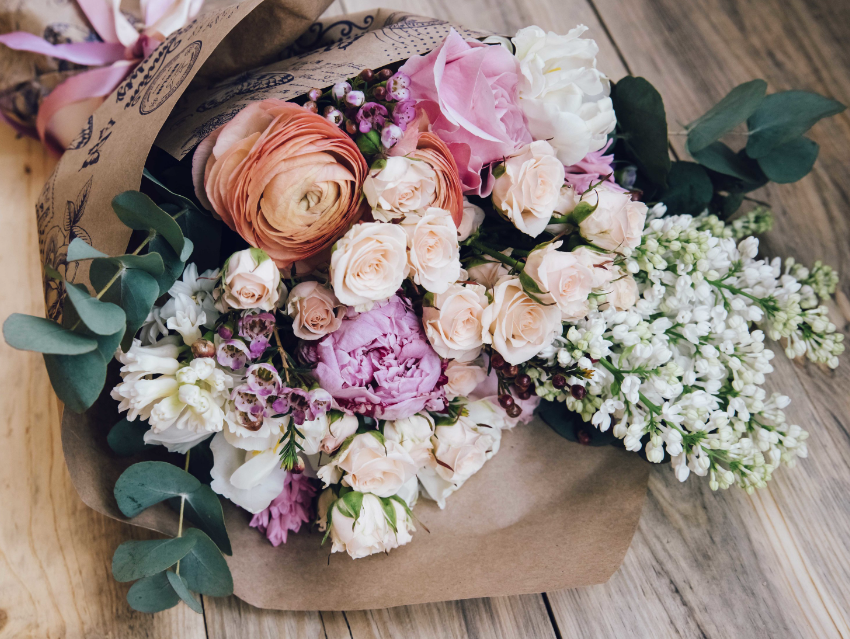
column 182, row 506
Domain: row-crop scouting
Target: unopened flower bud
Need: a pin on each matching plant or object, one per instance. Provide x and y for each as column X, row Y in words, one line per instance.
column 383, row 74
column 311, row 106
column 367, row 74
column 391, row 135
column 340, row 90
column 355, row 98
column 314, row 94
column 203, row 348
column 333, row 115
column 225, row 332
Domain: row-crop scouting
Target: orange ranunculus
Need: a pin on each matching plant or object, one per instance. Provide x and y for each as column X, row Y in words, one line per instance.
column 449, row 194
column 287, row 180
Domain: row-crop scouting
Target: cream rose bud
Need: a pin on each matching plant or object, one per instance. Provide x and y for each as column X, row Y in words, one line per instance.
column 563, row 279
column 622, row 292
column 402, row 186
column 370, row 532
column 517, row 326
column 369, row 264
column 414, row 435
column 600, row 264
column 315, row 310
column 463, row 378
column 462, row 448
column 370, row 465
column 340, row 428
column 617, row 222
column 453, row 323
column 528, row 190
column 250, row 280
column 473, row 216
column 434, row 254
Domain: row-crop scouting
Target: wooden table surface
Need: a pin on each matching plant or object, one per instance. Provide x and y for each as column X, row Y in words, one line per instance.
column 774, row 564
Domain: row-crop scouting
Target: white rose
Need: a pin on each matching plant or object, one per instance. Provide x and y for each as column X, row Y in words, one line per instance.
column 414, row 435
column 369, row 263
column 315, row 311
column 339, row 430
column 489, row 271
column 517, row 326
column 250, row 479
column 251, row 280
column 529, row 189
column 600, row 264
column 562, row 94
column 453, row 323
column 403, row 186
column 473, row 216
column 314, row 432
column 622, row 292
column 370, row 532
column 369, row 465
column 562, row 278
column 434, row 254
column 616, row 223
column 463, row 378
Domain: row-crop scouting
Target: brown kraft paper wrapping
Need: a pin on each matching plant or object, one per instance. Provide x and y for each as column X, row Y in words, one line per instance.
column 542, row 514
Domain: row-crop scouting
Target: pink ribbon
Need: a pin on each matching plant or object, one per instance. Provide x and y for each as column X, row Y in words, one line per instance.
column 123, row 48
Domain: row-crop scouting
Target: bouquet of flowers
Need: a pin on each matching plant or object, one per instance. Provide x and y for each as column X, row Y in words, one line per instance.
column 367, row 287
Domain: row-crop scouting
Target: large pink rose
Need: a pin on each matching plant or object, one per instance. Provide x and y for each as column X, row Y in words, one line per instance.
column 469, row 92
column 380, row 364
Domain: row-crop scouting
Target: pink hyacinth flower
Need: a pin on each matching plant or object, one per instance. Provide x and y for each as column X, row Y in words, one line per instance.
column 288, row 510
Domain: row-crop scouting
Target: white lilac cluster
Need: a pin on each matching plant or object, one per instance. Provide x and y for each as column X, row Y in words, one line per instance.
column 682, row 372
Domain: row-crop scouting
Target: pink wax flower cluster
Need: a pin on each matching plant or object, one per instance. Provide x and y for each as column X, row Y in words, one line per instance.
column 288, row 510
column 380, row 364
column 469, row 92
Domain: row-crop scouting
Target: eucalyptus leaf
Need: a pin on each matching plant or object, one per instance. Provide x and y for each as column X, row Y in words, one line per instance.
column 149, row 263
column 204, row 567
column 167, row 194
column 134, row 291
column 205, row 234
column 137, row 211
column 791, row 161
column 732, row 110
column 127, row 438
column 689, row 189
column 147, row 483
column 642, row 127
column 102, row 318
column 30, row 333
column 783, row 117
column 77, row 379
column 173, row 265
column 203, row 508
column 719, row 157
column 81, row 250
column 136, row 559
column 179, row 584
column 152, row 594
column 107, row 344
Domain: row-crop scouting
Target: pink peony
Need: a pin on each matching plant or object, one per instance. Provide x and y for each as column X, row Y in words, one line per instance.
column 469, row 92
column 288, row 510
column 594, row 167
column 380, row 364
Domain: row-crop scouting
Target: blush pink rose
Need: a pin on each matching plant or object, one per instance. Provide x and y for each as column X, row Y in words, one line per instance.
column 469, row 92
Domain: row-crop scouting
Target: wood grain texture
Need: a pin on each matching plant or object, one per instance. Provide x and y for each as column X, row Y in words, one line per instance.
column 775, row 564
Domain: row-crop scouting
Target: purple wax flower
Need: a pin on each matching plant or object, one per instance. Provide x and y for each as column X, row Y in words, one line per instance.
column 391, row 135
column 233, row 353
column 380, row 364
column 403, row 113
column 254, row 325
column 371, row 115
column 263, row 379
column 224, row 332
column 397, row 87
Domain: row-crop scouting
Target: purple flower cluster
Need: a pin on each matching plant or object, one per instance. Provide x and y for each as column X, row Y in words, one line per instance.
column 380, row 364
column 254, row 335
column 263, row 394
column 288, row 510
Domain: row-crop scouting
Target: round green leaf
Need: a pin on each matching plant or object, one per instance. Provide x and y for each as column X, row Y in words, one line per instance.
column 719, row 157
column 137, row 211
column 80, row 250
column 102, row 318
column 179, row 584
column 29, row 333
column 152, row 594
column 136, row 559
column 135, row 291
column 203, row 508
column 642, row 126
column 127, row 438
column 732, row 110
column 77, row 379
column 204, row 567
column 147, row 483
column 791, row 161
column 689, row 189
column 784, row 116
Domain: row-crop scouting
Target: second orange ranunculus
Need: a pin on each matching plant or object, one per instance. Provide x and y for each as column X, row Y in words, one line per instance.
column 287, row 180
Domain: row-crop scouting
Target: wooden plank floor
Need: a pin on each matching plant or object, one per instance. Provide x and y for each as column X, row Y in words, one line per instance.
column 775, row 565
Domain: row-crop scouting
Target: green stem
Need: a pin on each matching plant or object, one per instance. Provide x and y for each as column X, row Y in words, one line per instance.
column 504, row 259
column 182, row 505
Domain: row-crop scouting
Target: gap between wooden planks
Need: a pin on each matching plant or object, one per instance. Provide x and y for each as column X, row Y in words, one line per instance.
column 774, row 565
